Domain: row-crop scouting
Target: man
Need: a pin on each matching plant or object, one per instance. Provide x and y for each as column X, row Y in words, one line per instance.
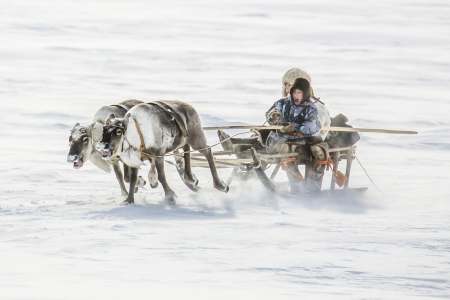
column 303, row 117
column 298, row 111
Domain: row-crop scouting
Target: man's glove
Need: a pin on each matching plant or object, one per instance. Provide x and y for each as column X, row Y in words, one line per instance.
column 273, row 117
column 288, row 128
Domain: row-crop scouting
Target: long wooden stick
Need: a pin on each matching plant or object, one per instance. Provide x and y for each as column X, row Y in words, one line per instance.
column 374, row 130
column 335, row 129
column 271, row 127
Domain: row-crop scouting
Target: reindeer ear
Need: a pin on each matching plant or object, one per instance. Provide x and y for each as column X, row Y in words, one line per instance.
column 74, row 127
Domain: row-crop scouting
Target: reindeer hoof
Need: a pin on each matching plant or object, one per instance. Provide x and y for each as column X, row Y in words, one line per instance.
column 222, row 187
column 128, row 201
column 170, row 199
column 154, row 185
column 192, row 184
column 141, row 182
column 152, row 179
column 193, row 188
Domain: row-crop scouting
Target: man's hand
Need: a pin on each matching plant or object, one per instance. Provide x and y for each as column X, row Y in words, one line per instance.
column 273, row 117
column 288, row 128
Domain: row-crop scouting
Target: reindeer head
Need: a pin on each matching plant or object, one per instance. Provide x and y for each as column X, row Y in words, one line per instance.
column 113, row 131
column 80, row 142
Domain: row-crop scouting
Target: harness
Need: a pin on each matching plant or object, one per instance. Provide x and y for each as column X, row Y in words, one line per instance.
column 141, row 137
column 174, row 116
column 121, row 106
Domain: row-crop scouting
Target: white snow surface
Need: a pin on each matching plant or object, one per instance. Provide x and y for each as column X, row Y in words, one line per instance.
column 64, row 233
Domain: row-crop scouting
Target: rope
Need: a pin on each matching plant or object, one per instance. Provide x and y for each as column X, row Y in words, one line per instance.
column 368, row 176
column 195, row 150
column 339, row 177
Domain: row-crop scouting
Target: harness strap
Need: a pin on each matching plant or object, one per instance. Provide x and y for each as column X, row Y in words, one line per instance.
column 141, row 137
column 120, row 106
column 173, row 115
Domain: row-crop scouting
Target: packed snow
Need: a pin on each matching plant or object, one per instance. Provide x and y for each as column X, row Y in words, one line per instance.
column 64, row 233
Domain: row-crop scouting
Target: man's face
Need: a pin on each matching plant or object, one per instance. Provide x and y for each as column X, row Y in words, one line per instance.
column 297, row 96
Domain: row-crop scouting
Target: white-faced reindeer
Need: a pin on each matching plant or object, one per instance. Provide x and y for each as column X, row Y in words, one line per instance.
column 151, row 130
column 83, row 138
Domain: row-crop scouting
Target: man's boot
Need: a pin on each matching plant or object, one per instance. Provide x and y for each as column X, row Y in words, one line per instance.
column 315, row 169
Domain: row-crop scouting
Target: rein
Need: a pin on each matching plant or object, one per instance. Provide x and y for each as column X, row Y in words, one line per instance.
column 121, row 106
column 181, row 124
column 174, row 116
column 174, row 152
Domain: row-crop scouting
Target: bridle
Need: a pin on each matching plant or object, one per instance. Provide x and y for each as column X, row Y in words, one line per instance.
column 115, row 154
column 83, row 134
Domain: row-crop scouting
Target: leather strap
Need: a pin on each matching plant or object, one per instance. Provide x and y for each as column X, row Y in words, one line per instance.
column 120, row 106
column 173, row 115
column 141, row 135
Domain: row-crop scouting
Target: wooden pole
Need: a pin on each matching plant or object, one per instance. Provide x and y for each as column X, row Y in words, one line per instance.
column 334, row 129
column 374, row 130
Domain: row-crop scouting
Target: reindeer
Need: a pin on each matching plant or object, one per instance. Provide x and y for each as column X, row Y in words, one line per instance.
column 151, row 130
column 83, row 138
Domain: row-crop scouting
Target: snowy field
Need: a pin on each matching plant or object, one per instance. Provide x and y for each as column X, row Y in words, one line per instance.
column 64, row 234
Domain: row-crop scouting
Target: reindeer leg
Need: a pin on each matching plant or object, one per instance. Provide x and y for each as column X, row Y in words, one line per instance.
column 169, row 193
column 126, row 173
column 189, row 179
column 179, row 163
column 133, row 180
column 218, row 183
column 198, row 142
column 152, row 176
column 140, row 181
column 119, row 177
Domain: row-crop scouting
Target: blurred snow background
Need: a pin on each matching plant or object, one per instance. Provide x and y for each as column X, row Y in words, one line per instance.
column 63, row 234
